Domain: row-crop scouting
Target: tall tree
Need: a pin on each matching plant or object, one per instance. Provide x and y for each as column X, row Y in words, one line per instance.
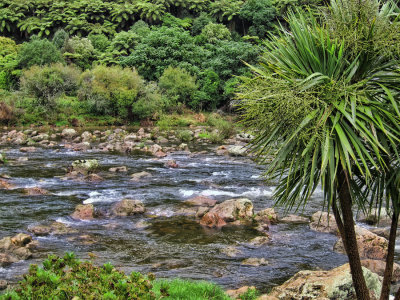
column 324, row 104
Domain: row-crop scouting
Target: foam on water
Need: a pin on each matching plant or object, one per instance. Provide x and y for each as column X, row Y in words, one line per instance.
column 103, row 196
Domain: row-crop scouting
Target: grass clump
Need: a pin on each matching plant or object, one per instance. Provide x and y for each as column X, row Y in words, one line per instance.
column 179, row 289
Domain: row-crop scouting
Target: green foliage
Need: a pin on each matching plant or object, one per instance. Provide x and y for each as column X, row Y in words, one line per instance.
column 151, row 103
column 7, row 46
column 260, row 14
column 251, row 294
column 79, row 51
column 184, row 289
column 171, row 21
column 60, row 38
column 38, row 52
column 209, row 94
column 8, row 63
column 200, row 22
column 68, row 277
column 184, row 135
column 178, row 83
column 46, row 83
column 226, row 9
column 213, row 33
column 225, row 128
column 110, row 90
column 100, row 42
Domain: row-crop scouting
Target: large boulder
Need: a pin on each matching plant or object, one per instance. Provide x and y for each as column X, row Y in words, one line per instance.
column 18, row 247
column 267, row 216
column 378, row 267
column 369, row 244
column 323, row 285
column 237, row 150
column 322, row 222
column 128, row 207
column 85, row 166
column 68, row 133
column 228, row 211
column 83, row 212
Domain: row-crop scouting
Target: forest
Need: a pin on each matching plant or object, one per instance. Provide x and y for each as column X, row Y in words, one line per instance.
column 125, row 61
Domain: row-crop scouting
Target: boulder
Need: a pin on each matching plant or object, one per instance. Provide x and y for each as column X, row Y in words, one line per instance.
column 382, row 231
column 324, row 285
column 138, row 176
column 35, row 191
column 237, row 151
column 40, row 230
column 83, row 212
column 68, row 133
column 127, row 207
column 235, row 294
column 21, row 239
column 85, row 166
column 378, row 267
column 86, row 136
column 254, row 262
column 294, row 219
column 27, row 149
column 93, row 178
column 369, row 244
column 6, row 260
column 231, row 251
column 322, row 222
column 229, row 211
column 18, row 247
column 171, row 164
column 260, row 241
column 58, row 228
column 267, row 216
column 122, row 169
column 201, row 201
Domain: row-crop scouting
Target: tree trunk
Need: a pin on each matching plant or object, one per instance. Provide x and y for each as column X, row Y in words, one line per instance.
column 349, row 237
column 387, row 277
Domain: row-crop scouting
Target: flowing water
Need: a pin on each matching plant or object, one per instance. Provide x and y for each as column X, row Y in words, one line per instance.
column 170, row 245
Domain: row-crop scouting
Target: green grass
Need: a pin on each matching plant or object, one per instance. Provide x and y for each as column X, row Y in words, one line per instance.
column 179, row 289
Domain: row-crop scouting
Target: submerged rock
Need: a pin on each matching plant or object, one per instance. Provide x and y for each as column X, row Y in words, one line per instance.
column 128, row 207
column 122, row 169
column 334, row 284
column 255, row 262
column 228, row 211
column 171, row 164
column 231, row 251
column 27, row 149
column 322, row 222
column 83, row 212
column 4, row 184
column 369, row 244
column 35, row 191
column 138, row 176
column 260, row 241
column 40, row 230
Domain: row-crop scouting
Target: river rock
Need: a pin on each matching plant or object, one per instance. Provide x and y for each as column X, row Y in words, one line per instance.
column 255, row 262
column 228, row 211
column 374, row 217
column 122, row 169
column 201, row 201
column 86, row 136
column 267, row 216
column 294, row 219
column 260, row 241
column 128, row 207
column 6, row 260
column 27, row 149
column 378, row 267
column 237, row 150
column 68, row 133
column 324, row 285
column 3, row 283
column 138, row 176
column 93, row 178
column 85, row 166
column 231, row 251
column 320, row 221
column 35, row 191
column 83, row 146
column 369, row 244
column 383, row 232
column 171, row 164
column 58, row 228
column 4, row 184
column 16, row 248
column 235, row 294
column 83, row 212
column 40, row 230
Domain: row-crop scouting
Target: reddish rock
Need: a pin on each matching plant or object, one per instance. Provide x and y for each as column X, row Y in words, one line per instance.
column 128, row 207
column 93, row 178
column 27, row 149
column 4, row 184
column 35, row 191
column 40, row 230
column 378, row 267
column 160, row 154
column 212, row 220
column 171, row 164
column 201, row 201
column 83, row 212
column 369, row 244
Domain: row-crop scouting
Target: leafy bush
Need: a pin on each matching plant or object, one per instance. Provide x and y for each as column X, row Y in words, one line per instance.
column 150, row 104
column 200, row 22
column 100, row 42
column 213, row 33
column 79, row 51
column 184, row 135
column 260, row 14
column 38, row 52
column 178, row 83
column 225, row 128
column 185, row 289
column 209, row 95
column 68, row 277
column 60, row 38
column 111, row 90
column 46, row 83
column 8, row 63
column 7, row 46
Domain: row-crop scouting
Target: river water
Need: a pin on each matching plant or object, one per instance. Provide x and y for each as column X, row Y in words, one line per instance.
column 171, row 245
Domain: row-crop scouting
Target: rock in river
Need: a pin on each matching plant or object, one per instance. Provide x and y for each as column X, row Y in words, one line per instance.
column 18, row 247
column 322, row 222
column 83, row 212
column 128, row 207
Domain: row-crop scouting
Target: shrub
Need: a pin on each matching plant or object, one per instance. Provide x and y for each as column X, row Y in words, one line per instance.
column 68, row 277
column 260, row 15
column 179, row 83
column 60, row 38
column 79, row 51
column 150, row 104
column 8, row 63
column 111, row 90
column 184, row 135
column 213, row 33
column 46, row 83
column 209, row 95
column 7, row 46
column 38, row 52
column 100, row 42
column 225, row 128
column 200, row 22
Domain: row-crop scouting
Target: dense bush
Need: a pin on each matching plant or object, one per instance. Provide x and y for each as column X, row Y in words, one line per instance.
column 60, row 38
column 151, row 103
column 79, row 51
column 178, row 83
column 213, row 33
column 46, row 83
column 111, row 90
column 8, row 63
column 70, row 278
column 38, row 52
column 260, row 15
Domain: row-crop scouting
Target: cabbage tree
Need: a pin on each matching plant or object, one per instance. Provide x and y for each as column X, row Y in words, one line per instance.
column 328, row 115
